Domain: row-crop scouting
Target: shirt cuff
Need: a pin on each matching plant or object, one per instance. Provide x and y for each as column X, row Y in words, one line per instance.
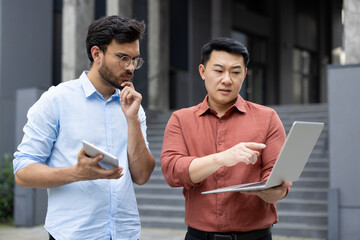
column 21, row 161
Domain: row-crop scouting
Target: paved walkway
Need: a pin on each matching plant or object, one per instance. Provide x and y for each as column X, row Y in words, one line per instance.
column 39, row 233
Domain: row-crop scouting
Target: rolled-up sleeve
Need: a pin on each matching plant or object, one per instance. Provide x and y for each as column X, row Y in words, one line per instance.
column 175, row 159
column 143, row 126
column 39, row 134
column 274, row 141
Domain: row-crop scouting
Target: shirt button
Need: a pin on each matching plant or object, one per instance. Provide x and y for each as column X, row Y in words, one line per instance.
column 219, row 143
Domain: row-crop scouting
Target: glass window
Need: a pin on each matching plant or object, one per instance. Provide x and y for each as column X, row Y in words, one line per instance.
column 253, row 88
column 305, row 86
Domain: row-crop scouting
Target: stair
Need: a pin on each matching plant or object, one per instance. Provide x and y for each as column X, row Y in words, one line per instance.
column 160, row 206
column 303, row 213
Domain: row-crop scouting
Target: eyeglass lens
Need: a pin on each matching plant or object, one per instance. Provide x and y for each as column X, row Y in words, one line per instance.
column 125, row 62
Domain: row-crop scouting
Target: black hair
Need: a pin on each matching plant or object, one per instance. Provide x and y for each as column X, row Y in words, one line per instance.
column 102, row 31
column 224, row 44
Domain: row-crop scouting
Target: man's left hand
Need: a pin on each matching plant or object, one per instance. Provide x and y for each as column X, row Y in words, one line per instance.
column 271, row 195
column 130, row 100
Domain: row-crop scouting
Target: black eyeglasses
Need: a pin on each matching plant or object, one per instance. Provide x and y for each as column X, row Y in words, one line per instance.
column 125, row 60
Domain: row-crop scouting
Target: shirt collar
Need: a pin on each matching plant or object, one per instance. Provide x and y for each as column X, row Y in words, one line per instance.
column 89, row 88
column 239, row 104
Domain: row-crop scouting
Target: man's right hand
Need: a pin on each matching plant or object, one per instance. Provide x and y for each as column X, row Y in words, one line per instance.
column 37, row 175
column 88, row 168
column 201, row 168
column 246, row 152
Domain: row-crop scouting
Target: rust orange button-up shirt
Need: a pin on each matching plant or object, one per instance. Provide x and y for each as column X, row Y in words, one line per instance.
column 196, row 132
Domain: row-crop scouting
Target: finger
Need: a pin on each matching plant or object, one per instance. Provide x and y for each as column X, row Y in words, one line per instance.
column 98, row 158
column 248, row 158
column 114, row 173
column 127, row 84
column 124, row 98
column 251, row 155
column 253, row 145
column 82, row 152
column 129, row 97
column 250, row 192
column 286, row 184
column 123, row 93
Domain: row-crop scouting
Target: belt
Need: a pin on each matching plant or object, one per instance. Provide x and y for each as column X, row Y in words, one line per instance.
column 251, row 235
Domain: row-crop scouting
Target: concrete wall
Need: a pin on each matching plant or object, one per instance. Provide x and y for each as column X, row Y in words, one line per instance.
column 344, row 142
column 76, row 17
column 351, row 31
column 25, row 60
column 26, row 28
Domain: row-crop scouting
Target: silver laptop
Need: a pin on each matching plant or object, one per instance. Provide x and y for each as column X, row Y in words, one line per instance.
column 291, row 161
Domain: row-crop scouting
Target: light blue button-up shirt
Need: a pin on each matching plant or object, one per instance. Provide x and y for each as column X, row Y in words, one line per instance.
column 57, row 123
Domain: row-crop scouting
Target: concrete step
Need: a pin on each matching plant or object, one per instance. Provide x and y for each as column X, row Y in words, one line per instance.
column 315, row 172
column 157, row 189
column 300, row 230
column 307, row 193
column 317, row 162
column 162, row 222
column 161, row 211
column 312, row 182
column 313, row 217
column 160, row 199
column 287, row 204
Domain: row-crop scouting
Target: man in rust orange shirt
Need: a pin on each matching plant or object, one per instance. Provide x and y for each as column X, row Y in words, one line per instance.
column 224, row 141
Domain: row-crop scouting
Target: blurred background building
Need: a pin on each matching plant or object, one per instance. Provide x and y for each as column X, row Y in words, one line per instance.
column 291, row 43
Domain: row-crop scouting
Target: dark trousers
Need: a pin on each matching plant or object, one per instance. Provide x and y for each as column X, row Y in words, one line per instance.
column 190, row 236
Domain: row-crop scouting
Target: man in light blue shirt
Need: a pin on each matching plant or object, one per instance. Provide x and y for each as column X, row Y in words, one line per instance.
column 86, row 201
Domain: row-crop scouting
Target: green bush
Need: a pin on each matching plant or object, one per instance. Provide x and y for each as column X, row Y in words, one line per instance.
column 6, row 188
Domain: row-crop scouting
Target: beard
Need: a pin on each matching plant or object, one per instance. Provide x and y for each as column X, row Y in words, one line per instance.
column 113, row 80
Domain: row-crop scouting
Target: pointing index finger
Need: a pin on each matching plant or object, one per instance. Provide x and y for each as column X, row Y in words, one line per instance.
column 254, row 145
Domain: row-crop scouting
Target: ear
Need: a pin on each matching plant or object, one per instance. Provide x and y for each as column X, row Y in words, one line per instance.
column 202, row 71
column 97, row 54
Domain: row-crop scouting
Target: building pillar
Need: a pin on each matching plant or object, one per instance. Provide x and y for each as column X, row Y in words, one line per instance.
column 199, row 34
column 123, row 8
column 158, row 54
column 287, row 34
column 77, row 16
column 221, row 18
column 351, row 31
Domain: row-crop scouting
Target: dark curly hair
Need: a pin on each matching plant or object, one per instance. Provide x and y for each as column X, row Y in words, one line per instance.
column 102, row 31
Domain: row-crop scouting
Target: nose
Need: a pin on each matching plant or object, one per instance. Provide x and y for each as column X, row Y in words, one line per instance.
column 131, row 67
column 226, row 78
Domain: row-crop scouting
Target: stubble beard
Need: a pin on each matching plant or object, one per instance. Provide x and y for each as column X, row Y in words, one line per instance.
column 110, row 78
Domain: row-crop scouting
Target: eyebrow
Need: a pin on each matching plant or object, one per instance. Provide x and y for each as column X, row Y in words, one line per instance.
column 124, row 54
column 232, row 67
